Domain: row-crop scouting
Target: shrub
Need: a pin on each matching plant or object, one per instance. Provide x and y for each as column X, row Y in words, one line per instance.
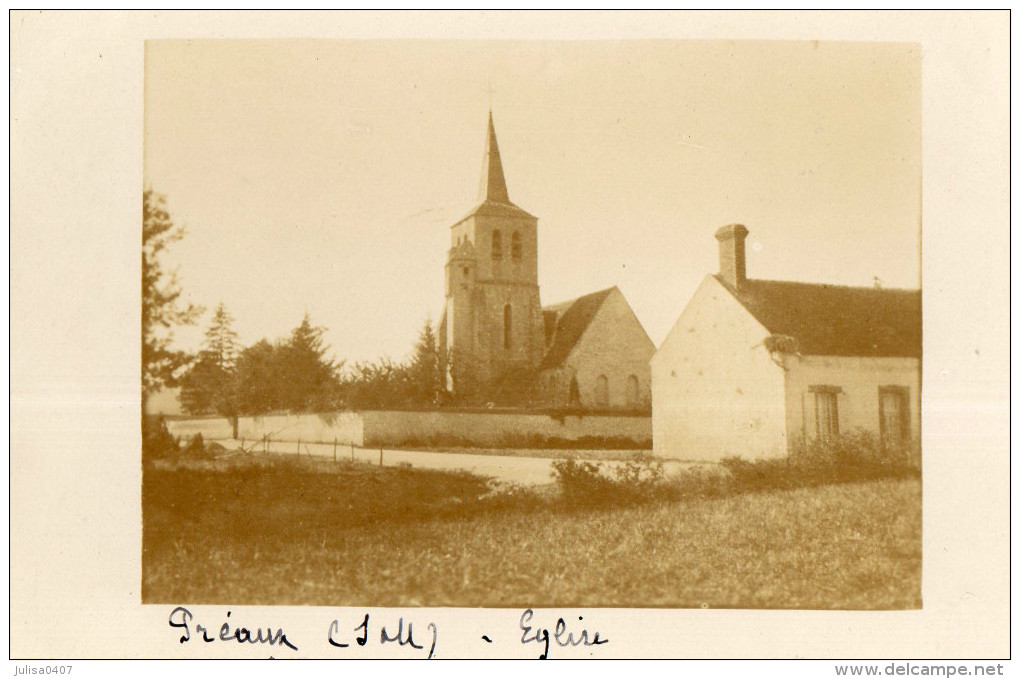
column 850, row 458
column 588, row 483
column 581, row 482
column 196, row 449
column 854, row 447
column 854, row 456
column 157, row 442
column 640, row 472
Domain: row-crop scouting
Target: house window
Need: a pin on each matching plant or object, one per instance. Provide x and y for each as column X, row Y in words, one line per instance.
column 893, row 417
column 507, row 327
column 497, row 245
column 633, row 393
column 515, row 245
column 602, row 391
column 575, row 391
column 826, row 410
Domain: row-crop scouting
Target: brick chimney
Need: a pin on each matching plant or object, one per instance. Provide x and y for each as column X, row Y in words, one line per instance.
column 732, row 262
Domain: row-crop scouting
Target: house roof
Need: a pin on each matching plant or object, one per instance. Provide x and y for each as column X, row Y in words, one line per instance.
column 567, row 322
column 835, row 320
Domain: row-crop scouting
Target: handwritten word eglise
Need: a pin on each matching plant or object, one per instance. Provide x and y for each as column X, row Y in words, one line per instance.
column 540, row 635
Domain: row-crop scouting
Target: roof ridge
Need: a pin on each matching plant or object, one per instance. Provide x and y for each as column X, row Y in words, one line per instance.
column 605, row 291
column 573, row 318
column 836, row 320
column 827, row 285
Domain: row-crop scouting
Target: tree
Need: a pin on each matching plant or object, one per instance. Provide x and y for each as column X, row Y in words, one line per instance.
column 209, row 385
column 294, row 374
column 311, row 378
column 373, row 384
column 162, row 307
column 423, row 375
column 257, row 379
column 221, row 339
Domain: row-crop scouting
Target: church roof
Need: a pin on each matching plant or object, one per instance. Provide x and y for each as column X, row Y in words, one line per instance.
column 566, row 322
column 835, row 320
column 492, row 192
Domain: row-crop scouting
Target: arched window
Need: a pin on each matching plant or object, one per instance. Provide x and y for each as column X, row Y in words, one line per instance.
column 497, row 245
column 507, row 327
column 515, row 245
column 633, row 393
column 602, row 391
column 575, row 391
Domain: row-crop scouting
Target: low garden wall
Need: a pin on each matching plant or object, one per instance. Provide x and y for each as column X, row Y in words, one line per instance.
column 430, row 428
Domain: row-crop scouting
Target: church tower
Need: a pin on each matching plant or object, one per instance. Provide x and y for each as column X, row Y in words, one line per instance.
column 491, row 328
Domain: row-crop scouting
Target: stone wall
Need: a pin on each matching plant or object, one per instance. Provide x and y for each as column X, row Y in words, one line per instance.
column 486, row 429
column 421, row 428
column 614, row 346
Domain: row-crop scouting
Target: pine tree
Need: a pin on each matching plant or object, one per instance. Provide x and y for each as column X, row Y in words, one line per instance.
column 424, row 377
column 221, row 339
column 162, row 307
column 311, row 383
column 209, row 385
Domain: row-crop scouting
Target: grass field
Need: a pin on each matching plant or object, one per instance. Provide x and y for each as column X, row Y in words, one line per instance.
column 307, row 532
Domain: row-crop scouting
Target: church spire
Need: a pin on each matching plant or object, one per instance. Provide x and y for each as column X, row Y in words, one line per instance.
column 493, row 184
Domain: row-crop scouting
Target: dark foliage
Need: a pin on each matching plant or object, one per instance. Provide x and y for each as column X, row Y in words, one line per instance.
column 416, row 383
column 642, row 480
column 157, row 442
column 162, row 307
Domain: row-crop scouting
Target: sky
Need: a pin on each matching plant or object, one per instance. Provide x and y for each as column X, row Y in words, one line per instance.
column 322, row 176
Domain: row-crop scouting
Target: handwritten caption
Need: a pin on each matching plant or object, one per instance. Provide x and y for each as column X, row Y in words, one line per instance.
column 419, row 639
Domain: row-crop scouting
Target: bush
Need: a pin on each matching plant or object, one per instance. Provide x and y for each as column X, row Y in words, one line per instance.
column 849, row 448
column 157, row 442
column 196, row 450
column 846, row 459
column 849, row 457
column 588, row 483
column 581, row 482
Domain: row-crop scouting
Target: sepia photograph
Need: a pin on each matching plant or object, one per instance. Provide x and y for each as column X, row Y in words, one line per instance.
column 496, row 334
column 509, row 324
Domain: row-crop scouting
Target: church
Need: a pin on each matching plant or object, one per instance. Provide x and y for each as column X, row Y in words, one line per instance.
column 497, row 342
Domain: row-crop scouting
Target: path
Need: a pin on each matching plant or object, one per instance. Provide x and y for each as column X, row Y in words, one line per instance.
column 523, row 470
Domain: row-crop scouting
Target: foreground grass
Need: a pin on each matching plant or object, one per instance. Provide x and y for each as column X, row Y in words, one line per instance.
column 324, row 534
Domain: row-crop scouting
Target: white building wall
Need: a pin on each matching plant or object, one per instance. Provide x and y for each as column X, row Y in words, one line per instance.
column 716, row 391
column 858, row 379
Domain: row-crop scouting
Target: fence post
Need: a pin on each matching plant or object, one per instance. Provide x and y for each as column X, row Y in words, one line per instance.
column 265, row 449
column 352, row 451
column 299, row 446
column 380, row 457
column 334, row 449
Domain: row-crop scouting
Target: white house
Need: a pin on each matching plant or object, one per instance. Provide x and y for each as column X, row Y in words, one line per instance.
column 756, row 368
